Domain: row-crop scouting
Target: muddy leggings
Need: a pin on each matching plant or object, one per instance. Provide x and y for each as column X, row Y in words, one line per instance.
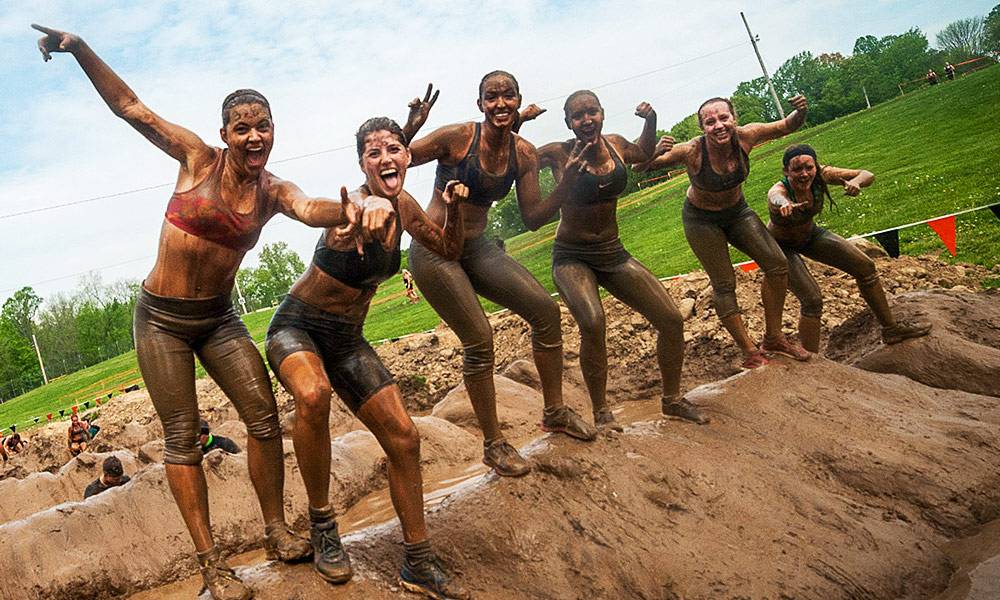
column 831, row 249
column 169, row 333
column 451, row 287
column 710, row 232
column 577, row 271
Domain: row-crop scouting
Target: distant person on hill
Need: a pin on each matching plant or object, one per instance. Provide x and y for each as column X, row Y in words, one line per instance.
column 932, row 77
column 222, row 199
column 949, row 71
column 411, row 293
column 3, row 449
column 590, row 174
column 112, row 475
column 78, row 435
column 793, row 203
column 209, row 441
column 716, row 214
column 490, row 159
column 316, row 345
column 14, row 443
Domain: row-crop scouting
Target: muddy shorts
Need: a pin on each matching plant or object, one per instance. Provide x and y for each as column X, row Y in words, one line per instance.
column 354, row 369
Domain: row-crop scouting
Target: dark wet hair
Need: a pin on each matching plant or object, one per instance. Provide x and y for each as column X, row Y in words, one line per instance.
column 710, row 101
column 112, row 466
column 246, row 96
column 819, row 187
column 379, row 124
column 576, row 95
column 482, row 82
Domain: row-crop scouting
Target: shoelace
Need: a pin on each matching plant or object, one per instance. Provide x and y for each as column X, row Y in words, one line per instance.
column 330, row 540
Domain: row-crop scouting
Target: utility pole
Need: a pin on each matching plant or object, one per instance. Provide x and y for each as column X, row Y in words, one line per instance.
column 866, row 96
column 767, row 78
column 38, row 353
column 239, row 294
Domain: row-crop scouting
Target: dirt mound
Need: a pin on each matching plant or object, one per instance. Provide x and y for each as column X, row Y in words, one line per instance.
column 961, row 352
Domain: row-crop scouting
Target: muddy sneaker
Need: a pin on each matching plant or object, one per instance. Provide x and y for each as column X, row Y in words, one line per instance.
column 564, row 420
column 430, row 579
column 281, row 544
column 903, row 330
column 682, row 409
column 504, row 459
column 782, row 345
column 605, row 421
column 754, row 360
column 329, row 557
column 220, row 580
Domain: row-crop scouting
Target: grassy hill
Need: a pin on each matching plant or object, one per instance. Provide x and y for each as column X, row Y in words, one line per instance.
column 933, row 152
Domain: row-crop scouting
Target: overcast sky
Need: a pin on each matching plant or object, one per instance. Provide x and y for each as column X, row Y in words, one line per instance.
column 327, row 67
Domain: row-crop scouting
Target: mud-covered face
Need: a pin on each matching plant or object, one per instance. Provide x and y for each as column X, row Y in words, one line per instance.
column 801, row 171
column 585, row 117
column 499, row 101
column 384, row 161
column 249, row 135
column 718, row 122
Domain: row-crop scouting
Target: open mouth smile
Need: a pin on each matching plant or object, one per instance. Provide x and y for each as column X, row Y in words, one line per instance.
column 389, row 177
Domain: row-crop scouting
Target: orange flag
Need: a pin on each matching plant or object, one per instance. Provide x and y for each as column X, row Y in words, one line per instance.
column 748, row 266
column 945, row 228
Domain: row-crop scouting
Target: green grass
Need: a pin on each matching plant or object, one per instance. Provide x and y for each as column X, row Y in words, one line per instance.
column 933, row 152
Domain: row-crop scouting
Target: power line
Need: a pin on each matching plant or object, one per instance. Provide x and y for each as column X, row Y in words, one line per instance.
column 61, row 277
column 339, row 148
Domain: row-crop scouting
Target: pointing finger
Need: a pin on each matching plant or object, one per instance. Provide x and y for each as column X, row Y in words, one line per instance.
column 43, row 29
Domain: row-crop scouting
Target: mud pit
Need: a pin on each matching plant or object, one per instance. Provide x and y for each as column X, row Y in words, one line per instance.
column 816, row 480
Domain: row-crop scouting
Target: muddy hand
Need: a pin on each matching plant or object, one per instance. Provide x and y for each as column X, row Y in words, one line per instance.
column 644, row 110
column 799, row 102
column 55, row 41
column 787, row 209
column 349, row 232
column 576, row 163
column 455, row 191
column 531, row 112
column 420, row 109
column 851, row 188
column 378, row 222
column 666, row 144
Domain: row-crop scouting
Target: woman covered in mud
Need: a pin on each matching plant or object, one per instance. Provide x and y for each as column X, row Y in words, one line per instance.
column 222, row 199
column 590, row 174
column 793, row 203
column 716, row 214
column 490, row 158
column 316, row 345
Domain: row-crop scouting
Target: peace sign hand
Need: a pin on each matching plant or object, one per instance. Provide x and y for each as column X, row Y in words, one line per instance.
column 576, row 163
column 348, row 235
column 455, row 191
column 644, row 110
column 420, row 109
column 55, row 41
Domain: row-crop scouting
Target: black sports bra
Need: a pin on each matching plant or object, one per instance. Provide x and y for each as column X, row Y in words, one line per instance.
column 591, row 188
column 710, row 181
column 484, row 189
column 360, row 271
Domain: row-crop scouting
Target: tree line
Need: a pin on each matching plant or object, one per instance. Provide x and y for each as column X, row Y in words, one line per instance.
column 94, row 322
column 834, row 84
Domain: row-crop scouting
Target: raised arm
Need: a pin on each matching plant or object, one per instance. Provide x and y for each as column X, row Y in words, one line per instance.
column 180, row 143
column 758, row 133
column 666, row 154
column 528, row 113
column 852, row 179
column 553, row 156
column 419, row 110
column 534, row 212
column 439, row 143
column 446, row 241
column 646, row 144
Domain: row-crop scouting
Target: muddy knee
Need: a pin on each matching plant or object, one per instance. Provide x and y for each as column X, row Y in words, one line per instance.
column 478, row 355
column 404, row 443
column 180, row 443
column 724, row 299
column 546, row 330
column 312, row 404
column 811, row 305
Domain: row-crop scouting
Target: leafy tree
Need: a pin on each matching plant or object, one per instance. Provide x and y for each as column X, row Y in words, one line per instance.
column 19, row 310
column 991, row 26
column 963, row 39
column 265, row 284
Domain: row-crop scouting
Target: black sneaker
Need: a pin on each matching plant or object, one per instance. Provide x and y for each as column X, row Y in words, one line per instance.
column 329, row 557
column 430, row 579
column 903, row 330
column 682, row 409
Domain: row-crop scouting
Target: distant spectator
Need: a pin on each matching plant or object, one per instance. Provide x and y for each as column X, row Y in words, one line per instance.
column 949, row 71
column 411, row 293
column 78, row 435
column 14, row 443
column 3, row 448
column 932, row 77
column 113, row 475
column 210, row 442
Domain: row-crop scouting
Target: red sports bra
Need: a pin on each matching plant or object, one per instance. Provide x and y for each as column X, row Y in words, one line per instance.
column 201, row 211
